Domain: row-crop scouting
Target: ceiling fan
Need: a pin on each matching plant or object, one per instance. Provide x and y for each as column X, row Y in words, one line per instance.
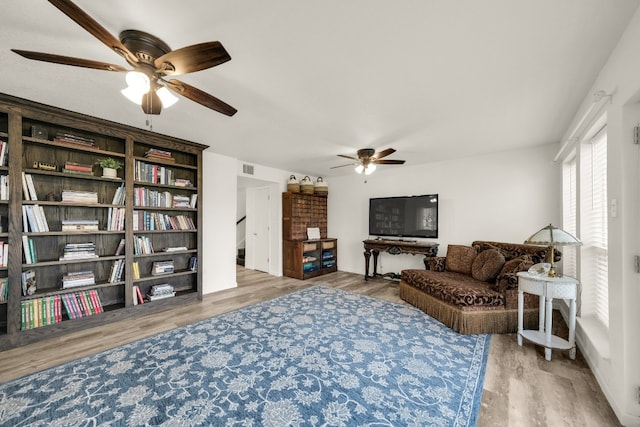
column 152, row 61
column 367, row 159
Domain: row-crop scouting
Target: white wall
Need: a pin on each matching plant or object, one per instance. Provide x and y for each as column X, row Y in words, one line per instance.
column 617, row 366
column 218, row 198
column 504, row 196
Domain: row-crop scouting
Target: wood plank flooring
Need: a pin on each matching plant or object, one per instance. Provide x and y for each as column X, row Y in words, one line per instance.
column 520, row 389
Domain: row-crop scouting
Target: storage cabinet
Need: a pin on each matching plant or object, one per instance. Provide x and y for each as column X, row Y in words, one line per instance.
column 303, row 258
column 94, row 246
column 309, row 258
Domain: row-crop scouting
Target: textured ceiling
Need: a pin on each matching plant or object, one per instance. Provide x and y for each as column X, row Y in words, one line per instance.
column 433, row 79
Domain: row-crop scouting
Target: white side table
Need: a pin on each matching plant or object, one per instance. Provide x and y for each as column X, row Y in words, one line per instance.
column 547, row 288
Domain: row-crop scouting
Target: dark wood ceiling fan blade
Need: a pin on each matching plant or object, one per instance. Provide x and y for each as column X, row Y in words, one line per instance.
column 341, row 166
column 389, row 162
column 68, row 60
column 200, row 97
column 383, row 153
column 151, row 103
column 348, row 157
column 92, row 26
column 192, row 58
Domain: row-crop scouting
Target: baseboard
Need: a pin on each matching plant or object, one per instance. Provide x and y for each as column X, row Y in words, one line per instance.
column 583, row 343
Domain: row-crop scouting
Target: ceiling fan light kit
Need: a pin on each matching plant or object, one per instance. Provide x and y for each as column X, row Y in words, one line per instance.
column 152, row 60
column 367, row 159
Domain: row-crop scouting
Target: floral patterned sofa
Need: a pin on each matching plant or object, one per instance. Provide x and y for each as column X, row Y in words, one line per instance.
column 474, row 289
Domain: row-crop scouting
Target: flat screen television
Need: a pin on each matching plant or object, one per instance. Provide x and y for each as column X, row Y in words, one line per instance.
column 409, row 216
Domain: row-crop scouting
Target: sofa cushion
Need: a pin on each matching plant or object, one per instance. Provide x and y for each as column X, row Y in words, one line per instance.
column 507, row 279
column 460, row 258
column 486, row 265
column 436, row 263
column 457, row 289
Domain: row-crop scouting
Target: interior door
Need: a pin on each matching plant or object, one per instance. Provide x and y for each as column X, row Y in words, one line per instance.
column 261, row 235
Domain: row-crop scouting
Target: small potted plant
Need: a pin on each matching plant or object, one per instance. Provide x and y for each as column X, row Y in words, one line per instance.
column 109, row 167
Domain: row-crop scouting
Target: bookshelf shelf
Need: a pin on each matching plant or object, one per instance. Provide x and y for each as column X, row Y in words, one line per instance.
column 53, row 151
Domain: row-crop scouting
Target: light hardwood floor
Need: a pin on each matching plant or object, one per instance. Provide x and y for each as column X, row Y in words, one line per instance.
column 520, row 389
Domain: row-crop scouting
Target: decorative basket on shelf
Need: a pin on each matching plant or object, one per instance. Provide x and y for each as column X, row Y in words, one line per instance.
column 321, row 187
column 293, row 186
column 306, row 185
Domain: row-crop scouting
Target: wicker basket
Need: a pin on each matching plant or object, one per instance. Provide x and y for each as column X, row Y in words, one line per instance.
column 306, row 185
column 321, row 188
column 293, row 186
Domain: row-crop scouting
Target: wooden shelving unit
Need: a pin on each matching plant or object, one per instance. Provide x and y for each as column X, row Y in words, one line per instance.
column 303, row 258
column 164, row 224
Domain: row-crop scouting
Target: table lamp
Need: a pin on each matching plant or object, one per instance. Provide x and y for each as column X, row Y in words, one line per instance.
column 553, row 236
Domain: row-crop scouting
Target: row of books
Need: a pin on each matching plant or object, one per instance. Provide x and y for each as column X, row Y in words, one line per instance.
column 83, row 197
column 73, row 251
column 115, row 219
column 4, row 187
column 117, row 269
column 155, row 174
column 4, row 151
column 40, row 312
column 143, row 196
column 78, row 278
column 4, row 289
column 144, row 220
column 33, row 219
column 4, row 253
column 137, row 295
column 119, row 196
column 29, row 250
column 82, row 303
column 142, row 245
column 28, row 189
column 157, row 154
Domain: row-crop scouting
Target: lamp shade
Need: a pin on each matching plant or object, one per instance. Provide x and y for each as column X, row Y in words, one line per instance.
column 553, row 236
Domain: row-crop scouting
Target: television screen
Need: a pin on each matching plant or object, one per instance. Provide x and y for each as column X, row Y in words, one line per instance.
column 410, row 216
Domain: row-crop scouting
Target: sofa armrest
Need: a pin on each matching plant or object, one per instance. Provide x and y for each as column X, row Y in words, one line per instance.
column 436, row 263
column 506, row 281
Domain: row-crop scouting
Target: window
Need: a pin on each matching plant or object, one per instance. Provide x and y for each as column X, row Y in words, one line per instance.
column 585, row 215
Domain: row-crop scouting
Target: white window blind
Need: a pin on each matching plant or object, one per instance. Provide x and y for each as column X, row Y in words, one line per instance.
column 593, row 228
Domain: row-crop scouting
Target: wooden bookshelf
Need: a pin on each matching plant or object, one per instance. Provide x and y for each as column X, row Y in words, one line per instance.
column 172, row 217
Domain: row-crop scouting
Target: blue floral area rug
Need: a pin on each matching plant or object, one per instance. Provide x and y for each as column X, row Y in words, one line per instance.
column 317, row 357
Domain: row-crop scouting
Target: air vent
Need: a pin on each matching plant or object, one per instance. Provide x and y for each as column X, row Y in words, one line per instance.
column 247, row 169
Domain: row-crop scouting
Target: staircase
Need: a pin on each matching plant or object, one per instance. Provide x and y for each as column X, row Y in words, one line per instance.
column 240, row 257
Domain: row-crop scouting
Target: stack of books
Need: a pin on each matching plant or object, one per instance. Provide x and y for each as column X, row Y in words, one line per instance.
column 179, row 182
column 79, row 168
column 78, row 278
column 84, row 197
column 79, row 251
column 181, row 202
column 74, row 139
column 159, row 268
column 79, row 224
column 156, row 154
column 160, row 292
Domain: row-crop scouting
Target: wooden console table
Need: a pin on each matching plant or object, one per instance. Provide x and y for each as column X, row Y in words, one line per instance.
column 395, row 247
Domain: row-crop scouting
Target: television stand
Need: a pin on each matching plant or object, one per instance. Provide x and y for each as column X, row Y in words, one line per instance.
column 395, row 247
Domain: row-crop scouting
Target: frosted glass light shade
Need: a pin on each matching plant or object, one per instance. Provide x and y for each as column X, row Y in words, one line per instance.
column 166, row 97
column 369, row 169
column 359, row 168
column 133, row 95
column 138, row 81
column 553, row 236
